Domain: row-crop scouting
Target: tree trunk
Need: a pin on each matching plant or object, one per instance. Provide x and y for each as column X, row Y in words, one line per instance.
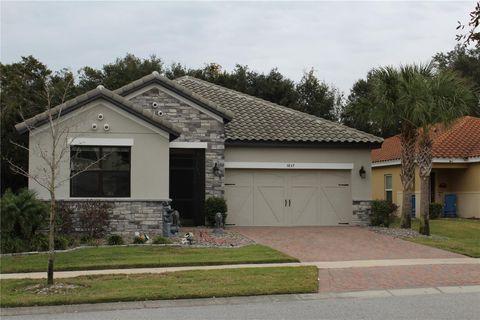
column 408, row 139
column 51, row 239
column 424, row 160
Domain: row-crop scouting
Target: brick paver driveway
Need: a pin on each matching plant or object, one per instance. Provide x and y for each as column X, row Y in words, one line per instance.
column 339, row 244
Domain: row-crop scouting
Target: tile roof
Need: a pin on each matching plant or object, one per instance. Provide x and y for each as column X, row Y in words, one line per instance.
column 258, row 120
column 155, row 77
column 459, row 140
column 99, row 93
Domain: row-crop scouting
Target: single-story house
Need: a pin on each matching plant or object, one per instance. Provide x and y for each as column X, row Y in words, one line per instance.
column 455, row 177
column 156, row 140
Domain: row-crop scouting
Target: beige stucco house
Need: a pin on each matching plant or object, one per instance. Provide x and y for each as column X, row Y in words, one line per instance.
column 455, row 177
column 157, row 141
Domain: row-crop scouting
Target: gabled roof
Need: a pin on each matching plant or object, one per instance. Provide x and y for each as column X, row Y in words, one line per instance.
column 156, row 78
column 99, row 93
column 459, row 140
column 257, row 120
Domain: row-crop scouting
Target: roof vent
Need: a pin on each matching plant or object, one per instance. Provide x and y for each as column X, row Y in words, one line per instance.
column 159, row 113
column 155, row 105
column 106, row 127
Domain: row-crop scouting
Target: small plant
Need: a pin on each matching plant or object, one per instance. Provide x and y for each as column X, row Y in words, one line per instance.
column 61, row 242
column 161, row 240
column 382, row 213
column 94, row 218
column 115, row 240
column 214, row 205
column 139, row 240
column 39, row 243
column 435, row 210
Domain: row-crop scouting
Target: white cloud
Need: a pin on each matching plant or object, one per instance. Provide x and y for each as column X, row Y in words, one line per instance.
column 341, row 40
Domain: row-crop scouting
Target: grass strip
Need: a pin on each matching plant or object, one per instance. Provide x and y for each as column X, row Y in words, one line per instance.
column 459, row 235
column 143, row 257
column 174, row 285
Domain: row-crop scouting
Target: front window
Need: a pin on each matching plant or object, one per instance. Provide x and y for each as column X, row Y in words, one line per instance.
column 388, row 188
column 100, row 171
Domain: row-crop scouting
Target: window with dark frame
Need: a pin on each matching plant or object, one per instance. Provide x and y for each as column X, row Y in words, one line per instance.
column 388, row 188
column 100, row 171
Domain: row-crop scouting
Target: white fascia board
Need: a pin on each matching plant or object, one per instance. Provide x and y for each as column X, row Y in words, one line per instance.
column 188, row 145
column 79, row 141
column 288, row 165
column 386, row 163
column 434, row 160
column 456, row 160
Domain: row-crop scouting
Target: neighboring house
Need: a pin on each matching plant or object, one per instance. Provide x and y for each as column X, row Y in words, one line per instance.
column 188, row 139
column 455, row 177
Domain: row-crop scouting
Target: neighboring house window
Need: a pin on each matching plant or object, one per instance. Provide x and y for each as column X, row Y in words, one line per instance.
column 100, row 171
column 388, row 188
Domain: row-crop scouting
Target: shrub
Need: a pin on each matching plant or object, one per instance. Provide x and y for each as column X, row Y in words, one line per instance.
column 61, row 242
column 435, row 210
column 139, row 240
column 63, row 219
column 22, row 216
column 214, row 205
column 115, row 240
column 161, row 240
column 39, row 243
column 382, row 213
column 93, row 218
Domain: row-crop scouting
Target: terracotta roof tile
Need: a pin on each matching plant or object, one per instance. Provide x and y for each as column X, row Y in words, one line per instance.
column 459, row 140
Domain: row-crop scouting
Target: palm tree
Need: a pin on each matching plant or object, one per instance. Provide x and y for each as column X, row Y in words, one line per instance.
column 418, row 96
column 389, row 87
column 443, row 97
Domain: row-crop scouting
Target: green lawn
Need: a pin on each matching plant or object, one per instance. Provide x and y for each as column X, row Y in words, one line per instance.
column 174, row 285
column 462, row 235
column 143, row 257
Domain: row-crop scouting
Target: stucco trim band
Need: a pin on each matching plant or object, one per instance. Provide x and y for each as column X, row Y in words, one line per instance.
column 99, row 142
column 288, row 165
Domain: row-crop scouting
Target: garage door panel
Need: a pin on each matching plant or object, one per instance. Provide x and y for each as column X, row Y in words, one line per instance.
column 304, row 206
column 239, row 195
column 336, row 206
column 269, row 198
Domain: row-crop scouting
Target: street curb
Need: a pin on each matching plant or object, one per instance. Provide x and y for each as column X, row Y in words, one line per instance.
column 182, row 303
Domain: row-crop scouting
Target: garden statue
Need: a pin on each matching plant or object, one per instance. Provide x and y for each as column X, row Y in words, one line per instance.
column 218, row 223
column 167, row 221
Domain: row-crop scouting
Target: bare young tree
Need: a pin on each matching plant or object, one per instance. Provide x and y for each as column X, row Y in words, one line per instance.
column 52, row 154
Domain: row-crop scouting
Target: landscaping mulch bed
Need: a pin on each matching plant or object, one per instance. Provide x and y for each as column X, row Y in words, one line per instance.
column 403, row 233
column 205, row 237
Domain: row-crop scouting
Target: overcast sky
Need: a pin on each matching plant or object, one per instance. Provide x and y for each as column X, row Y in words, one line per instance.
column 340, row 40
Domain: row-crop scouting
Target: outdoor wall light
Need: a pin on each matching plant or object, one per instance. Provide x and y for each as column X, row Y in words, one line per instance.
column 362, row 173
column 216, row 169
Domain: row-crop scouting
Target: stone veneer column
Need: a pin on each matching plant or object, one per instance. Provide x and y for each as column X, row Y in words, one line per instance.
column 361, row 212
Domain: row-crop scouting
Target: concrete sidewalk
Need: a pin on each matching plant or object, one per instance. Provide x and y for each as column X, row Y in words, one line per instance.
column 318, row 264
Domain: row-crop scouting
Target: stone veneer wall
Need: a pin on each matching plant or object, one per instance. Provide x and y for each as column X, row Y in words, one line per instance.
column 361, row 212
column 196, row 126
column 128, row 216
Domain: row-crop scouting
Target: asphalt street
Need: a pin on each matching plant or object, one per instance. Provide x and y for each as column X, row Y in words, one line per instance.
column 429, row 306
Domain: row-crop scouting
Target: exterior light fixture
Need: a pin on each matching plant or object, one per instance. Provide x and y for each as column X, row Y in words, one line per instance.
column 362, row 173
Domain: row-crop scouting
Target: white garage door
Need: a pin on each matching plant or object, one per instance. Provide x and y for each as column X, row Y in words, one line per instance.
column 288, row 197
